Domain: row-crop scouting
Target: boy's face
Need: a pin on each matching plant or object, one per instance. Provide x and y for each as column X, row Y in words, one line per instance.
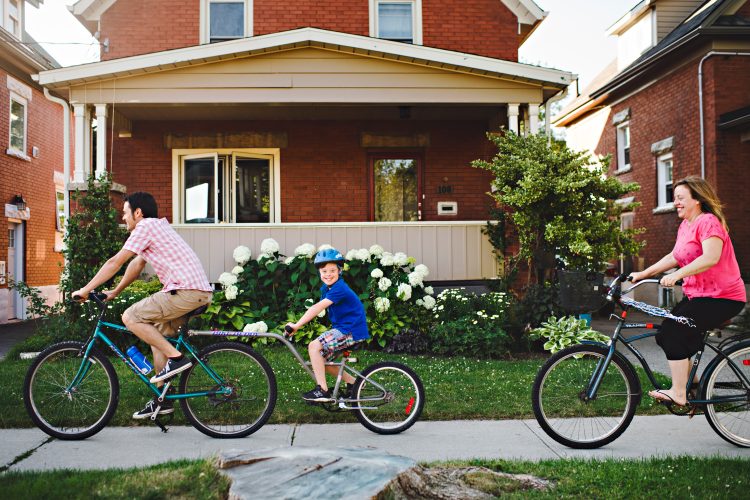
column 329, row 273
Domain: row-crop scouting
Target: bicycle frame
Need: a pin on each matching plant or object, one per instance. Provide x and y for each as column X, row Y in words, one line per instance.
column 304, row 364
column 603, row 364
column 179, row 342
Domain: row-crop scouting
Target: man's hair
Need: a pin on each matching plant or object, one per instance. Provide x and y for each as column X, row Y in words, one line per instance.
column 144, row 201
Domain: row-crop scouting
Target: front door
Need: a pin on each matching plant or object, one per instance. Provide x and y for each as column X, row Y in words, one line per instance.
column 16, row 268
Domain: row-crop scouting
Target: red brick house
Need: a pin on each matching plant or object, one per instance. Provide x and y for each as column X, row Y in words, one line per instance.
column 349, row 123
column 676, row 102
column 31, row 166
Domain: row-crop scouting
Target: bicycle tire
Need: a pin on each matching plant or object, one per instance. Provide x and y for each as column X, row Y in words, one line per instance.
column 77, row 414
column 253, row 396
column 730, row 420
column 563, row 412
column 405, row 396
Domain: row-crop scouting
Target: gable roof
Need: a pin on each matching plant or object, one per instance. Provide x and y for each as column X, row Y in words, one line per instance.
column 305, row 37
column 705, row 20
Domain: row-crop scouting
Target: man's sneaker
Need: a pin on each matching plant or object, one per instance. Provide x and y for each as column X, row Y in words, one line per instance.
column 317, row 395
column 347, row 392
column 167, row 406
column 171, row 369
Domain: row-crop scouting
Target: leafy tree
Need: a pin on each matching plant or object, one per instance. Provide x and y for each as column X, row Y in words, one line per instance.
column 560, row 202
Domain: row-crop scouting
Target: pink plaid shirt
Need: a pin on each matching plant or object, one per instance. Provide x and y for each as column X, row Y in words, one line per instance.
column 175, row 263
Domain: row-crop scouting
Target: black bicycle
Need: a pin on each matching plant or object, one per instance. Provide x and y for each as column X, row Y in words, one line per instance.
column 585, row 396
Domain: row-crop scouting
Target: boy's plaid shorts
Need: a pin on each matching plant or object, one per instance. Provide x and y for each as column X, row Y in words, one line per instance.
column 334, row 341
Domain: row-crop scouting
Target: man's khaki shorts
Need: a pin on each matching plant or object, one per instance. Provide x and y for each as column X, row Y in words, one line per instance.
column 166, row 310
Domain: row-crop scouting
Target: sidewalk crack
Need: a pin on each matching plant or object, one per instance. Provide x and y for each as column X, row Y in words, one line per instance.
column 558, row 455
column 24, row 455
column 294, row 434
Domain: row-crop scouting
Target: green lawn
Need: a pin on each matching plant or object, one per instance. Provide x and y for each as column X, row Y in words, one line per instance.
column 456, row 388
column 681, row 477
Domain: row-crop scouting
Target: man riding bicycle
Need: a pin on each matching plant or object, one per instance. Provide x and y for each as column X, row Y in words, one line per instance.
column 186, row 287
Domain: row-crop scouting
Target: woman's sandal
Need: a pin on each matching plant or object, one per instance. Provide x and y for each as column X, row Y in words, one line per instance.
column 666, row 400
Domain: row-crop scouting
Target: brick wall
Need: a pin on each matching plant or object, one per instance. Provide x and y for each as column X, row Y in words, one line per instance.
column 669, row 108
column 34, row 179
column 141, row 26
column 484, row 27
column 324, row 169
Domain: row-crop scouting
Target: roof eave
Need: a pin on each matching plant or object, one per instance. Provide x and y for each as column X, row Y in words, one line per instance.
column 201, row 54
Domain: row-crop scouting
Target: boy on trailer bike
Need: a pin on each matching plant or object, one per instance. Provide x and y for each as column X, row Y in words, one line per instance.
column 348, row 324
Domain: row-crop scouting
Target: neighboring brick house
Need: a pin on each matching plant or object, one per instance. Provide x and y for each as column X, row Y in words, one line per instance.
column 321, row 121
column 675, row 103
column 31, row 167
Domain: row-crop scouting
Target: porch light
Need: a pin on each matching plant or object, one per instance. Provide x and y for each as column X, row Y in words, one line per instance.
column 19, row 202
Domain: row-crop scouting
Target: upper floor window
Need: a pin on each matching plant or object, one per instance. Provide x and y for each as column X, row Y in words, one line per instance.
column 623, row 147
column 10, row 15
column 223, row 20
column 398, row 20
column 664, row 180
column 18, row 126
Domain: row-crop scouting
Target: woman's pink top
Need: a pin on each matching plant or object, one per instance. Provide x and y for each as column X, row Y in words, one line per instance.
column 722, row 281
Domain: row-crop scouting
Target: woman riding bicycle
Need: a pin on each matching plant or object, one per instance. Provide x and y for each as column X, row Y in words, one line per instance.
column 712, row 285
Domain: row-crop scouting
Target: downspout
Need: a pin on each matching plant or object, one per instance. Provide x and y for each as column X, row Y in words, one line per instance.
column 700, row 101
column 548, row 112
column 66, row 148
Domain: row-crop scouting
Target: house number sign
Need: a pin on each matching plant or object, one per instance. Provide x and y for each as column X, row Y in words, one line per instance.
column 444, row 189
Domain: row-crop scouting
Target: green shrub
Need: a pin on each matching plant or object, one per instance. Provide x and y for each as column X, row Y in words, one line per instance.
column 470, row 325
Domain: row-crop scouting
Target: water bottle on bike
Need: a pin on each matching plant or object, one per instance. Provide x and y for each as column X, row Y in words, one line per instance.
column 139, row 360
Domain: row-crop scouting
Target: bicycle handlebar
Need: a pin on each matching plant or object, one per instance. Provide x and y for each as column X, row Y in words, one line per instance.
column 98, row 297
column 615, row 287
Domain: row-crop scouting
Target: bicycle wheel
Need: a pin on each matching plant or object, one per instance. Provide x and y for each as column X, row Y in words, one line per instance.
column 249, row 403
column 391, row 397
column 730, row 420
column 68, row 411
column 560, row 403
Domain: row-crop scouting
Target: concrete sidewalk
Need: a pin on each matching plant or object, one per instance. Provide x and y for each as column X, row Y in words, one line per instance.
column 655, row 436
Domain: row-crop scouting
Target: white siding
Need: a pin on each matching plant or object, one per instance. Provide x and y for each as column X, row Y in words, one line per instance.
column 452, row 251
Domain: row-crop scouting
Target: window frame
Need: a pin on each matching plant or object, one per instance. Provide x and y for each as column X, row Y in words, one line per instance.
column 661, row 184
column 373, row 156
column 273, row 156
column 416, row 19
column 620, row 136
column 205, row 19
column 25, row 103
column 60, row 210
column 5, row 17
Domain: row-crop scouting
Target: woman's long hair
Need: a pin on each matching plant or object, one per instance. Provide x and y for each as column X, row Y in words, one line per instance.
column 702, row 191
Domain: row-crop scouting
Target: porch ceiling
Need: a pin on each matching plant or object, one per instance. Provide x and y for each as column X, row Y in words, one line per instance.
column 306, row 66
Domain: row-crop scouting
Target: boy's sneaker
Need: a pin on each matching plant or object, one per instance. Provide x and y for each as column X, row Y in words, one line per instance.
column 171, row 369
column 317, row 395
column 167, row 406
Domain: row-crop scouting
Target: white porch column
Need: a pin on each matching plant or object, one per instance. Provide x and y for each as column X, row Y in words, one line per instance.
column 533, row 119
column 513, row 117
column 79, row 111
column 101, row 140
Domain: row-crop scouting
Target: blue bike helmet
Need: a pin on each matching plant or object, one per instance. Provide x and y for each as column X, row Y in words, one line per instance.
column 328, row 255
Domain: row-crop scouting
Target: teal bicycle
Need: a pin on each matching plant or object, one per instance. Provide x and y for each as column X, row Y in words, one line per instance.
column 71, row 390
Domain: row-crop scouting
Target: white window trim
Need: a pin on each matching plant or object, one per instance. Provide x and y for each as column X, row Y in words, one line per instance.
column 416, row 18
column 661, row 181
column 21, row 153
column 5, row 15
column 621, row 166
column 273, row 153
column 205, row 25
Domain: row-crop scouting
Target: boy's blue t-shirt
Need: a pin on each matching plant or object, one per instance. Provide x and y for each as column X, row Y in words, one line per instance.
column 347, row 313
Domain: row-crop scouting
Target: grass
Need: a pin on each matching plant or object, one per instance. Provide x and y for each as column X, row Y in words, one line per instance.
column 679, row 477
column 180, row 479
column 456, row 388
